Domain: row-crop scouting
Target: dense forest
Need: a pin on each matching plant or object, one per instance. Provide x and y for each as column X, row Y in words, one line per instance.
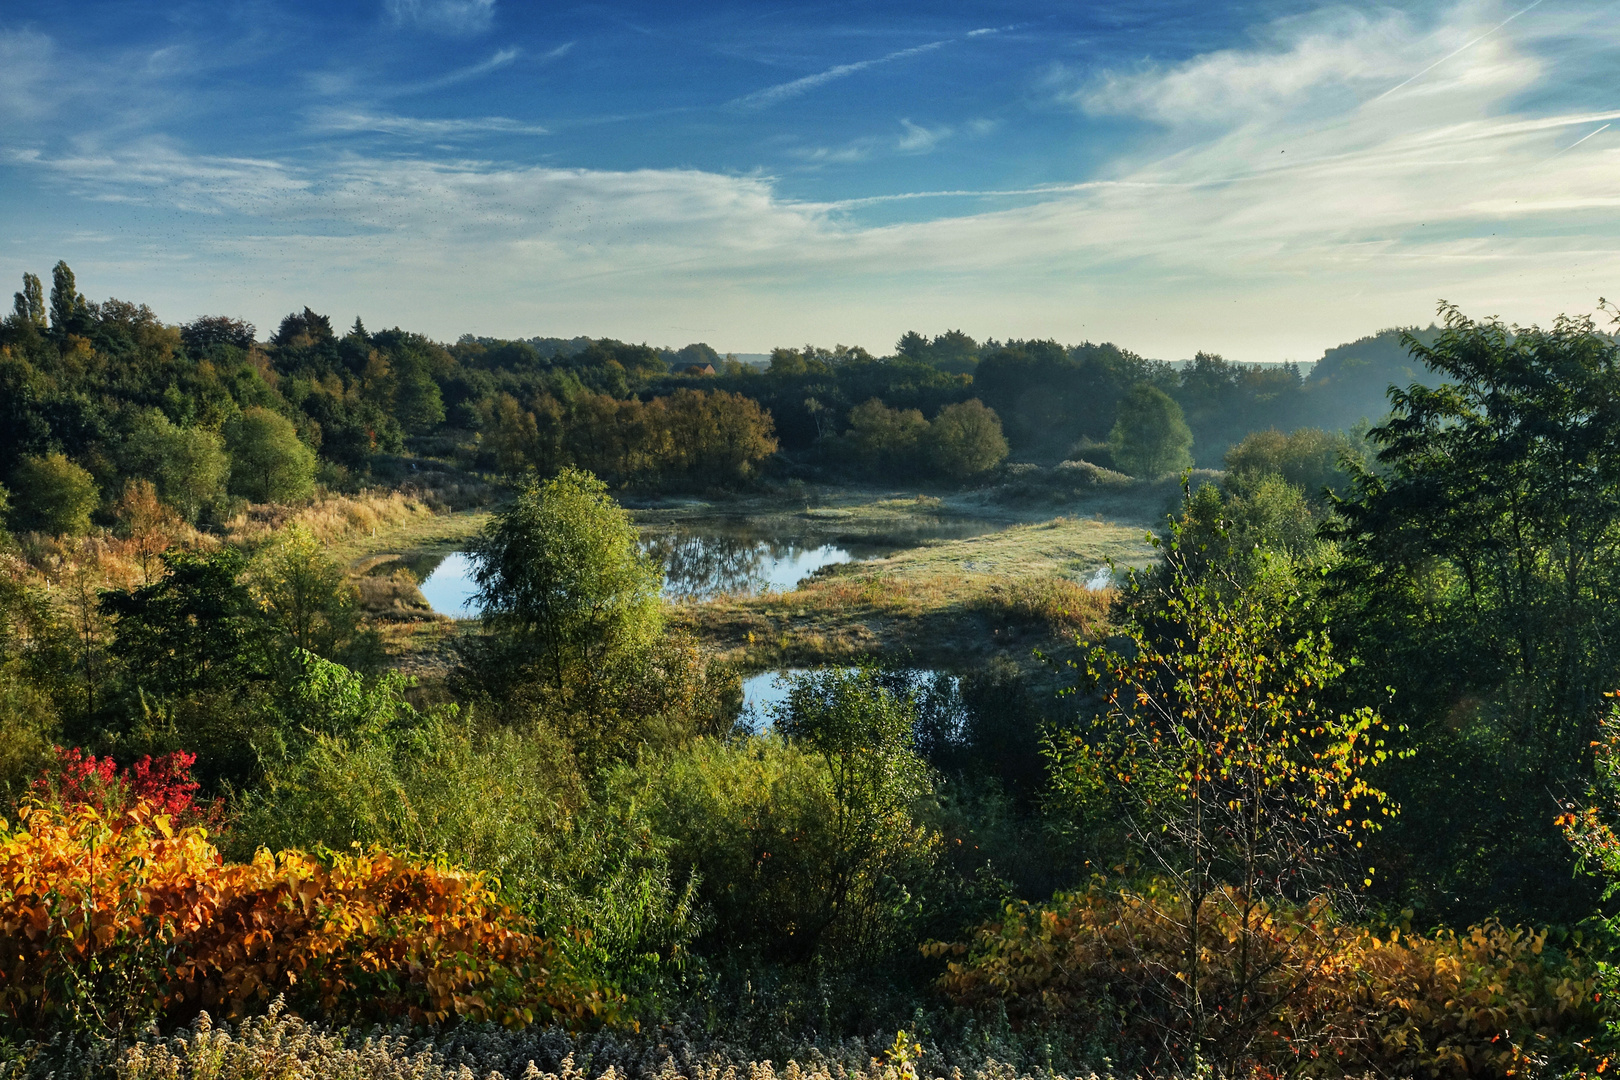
column 1329, row 788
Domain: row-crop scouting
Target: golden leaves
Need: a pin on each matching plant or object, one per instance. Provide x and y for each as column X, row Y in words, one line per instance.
column 364, row 934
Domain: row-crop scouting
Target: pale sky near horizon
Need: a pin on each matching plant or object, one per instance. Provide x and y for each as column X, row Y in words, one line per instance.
column 1259, row 179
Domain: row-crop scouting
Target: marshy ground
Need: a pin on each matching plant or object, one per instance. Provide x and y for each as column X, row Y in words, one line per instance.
column 942, row 580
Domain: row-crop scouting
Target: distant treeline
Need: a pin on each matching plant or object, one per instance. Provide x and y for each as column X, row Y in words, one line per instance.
column 94, row 395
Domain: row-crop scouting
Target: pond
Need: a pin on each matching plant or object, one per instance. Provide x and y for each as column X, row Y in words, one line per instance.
column 449, row 587
column 702, row 565
column 715, row 558
column 766, row 691
column 696, row 567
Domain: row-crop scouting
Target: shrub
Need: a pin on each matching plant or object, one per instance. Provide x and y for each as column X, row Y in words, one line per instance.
column 164, row 783
column 810, row 848
column 53, row 495
column 1307, row 458
column 109, row 921
column 562, row 579
column 187, row 464
column 1492, row 1001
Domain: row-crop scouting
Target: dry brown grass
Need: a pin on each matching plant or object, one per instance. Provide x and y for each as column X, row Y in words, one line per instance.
column 332, row 519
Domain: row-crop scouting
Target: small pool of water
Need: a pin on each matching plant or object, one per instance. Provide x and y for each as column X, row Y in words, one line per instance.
column 767, row 691
column 449, row 587
column 1101, row 578
column 698, row 566
column 695, row 568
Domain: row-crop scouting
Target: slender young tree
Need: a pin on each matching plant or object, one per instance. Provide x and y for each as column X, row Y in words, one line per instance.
column 67, row 306
column 30, row 303
column 1237, row 787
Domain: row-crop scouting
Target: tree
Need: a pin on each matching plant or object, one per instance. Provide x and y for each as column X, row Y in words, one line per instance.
column 195, row 629
column 305, row 593
column 1239, row 788
column 1308, row 458
column 30, row 303
column 1150, row 438
column 864, row 734
column 51, row 494
column 303, row 329
column 268, row 462
column 562, row 579
column 149, row 525
column 68, row 308
column 204, row 333
column 187, row 464
column 417, row 402
column 965, row 439
column 1481, row 578
column 885, row 438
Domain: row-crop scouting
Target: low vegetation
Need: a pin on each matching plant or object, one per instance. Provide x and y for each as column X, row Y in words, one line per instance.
column 1320, row 780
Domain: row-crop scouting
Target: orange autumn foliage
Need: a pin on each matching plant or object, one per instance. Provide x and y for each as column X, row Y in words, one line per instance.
column 1489, row 1001
column 121, row 919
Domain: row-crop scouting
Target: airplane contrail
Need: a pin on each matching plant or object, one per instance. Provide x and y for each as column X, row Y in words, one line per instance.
column 1580, row 140
column 1465, row 48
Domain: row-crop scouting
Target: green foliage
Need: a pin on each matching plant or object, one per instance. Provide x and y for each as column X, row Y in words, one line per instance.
column 1307, row 458
column 68, row 308
column 1150, row 438
column 689, row 436
column 30, row 722
column 29, row 304
column 1479, row 580
column 863, row 732
column 890, row 440
column 51, row 494
column 562, row 579
column 194, row 629
column 965, row 440
column 309, row 598
column 1261, row 537
column 352, row 761
column 1232, row 779
column 268, row 461
column 814, row 848
column 188, row 466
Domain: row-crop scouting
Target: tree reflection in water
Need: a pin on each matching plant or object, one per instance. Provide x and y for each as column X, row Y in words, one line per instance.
column 697, row 566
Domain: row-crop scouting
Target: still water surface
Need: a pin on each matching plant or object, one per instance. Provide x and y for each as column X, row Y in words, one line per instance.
column 698, row 565
column 767, row 691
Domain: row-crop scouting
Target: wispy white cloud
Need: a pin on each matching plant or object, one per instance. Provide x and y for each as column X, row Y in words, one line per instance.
column 26, row 74
column 1301, row 209
column 1294, row 68
column 356, row 120
column 501, row 58
column 760, row 99
column 912, row 139
column 921, row 140
column 458, row 17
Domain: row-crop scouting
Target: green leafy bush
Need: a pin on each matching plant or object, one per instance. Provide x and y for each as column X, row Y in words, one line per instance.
column 53, row 495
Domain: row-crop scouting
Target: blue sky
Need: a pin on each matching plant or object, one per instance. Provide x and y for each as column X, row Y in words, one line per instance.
column 1259, row 179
